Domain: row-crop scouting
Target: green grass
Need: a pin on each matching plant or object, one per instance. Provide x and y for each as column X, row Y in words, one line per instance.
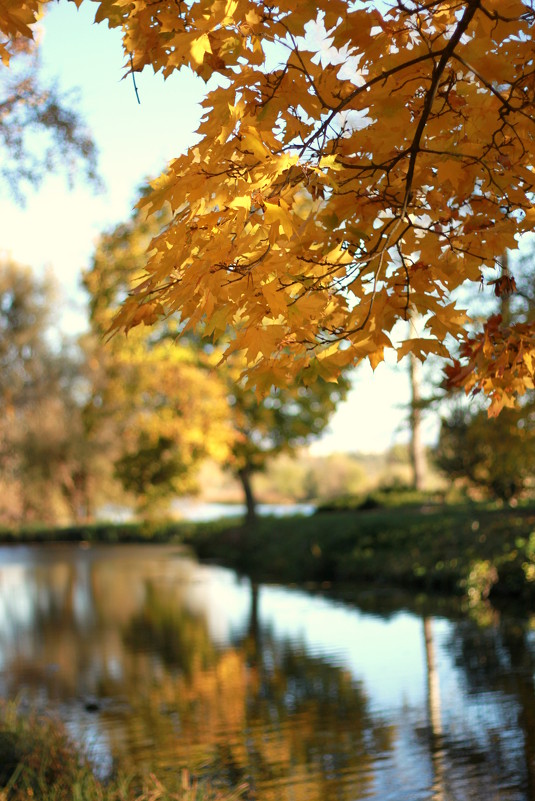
column 37, row 761
column 106, row 532
column 475, row 550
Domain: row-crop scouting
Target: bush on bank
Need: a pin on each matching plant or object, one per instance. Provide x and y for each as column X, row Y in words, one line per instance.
column 478, row 551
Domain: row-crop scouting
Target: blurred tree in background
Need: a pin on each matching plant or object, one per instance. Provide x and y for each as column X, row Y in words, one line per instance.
column 168, row 412
column 48, row 460
column 40, row 130
column 281, row 422
column 496, row 456
column 52, row 467
column 164, row 399
column 233, row 426
column 25, row 312
column 308, row 478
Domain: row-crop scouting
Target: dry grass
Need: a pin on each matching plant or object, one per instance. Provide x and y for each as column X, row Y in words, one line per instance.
column 37, row 761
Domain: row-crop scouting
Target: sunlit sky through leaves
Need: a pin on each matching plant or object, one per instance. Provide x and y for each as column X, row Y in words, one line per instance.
column 57, row 228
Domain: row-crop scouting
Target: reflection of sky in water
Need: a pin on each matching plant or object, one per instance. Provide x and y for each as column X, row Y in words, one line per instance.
column 487, row 715
column 88, row 729
column 83, row 600
column 387, row 654
column 17, row 606
column 364, row 644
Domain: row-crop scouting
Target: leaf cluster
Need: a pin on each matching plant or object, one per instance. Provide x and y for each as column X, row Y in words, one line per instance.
column 357, row 164
column 400, row 169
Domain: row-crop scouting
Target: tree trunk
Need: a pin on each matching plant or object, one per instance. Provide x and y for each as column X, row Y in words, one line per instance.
column 505, row 296
column 416, row 446
column 244, row 474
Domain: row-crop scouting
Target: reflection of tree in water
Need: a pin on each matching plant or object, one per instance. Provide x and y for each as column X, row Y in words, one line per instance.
column 501, row 659
column 434, row 714
column 484, row 758
column 54, row 647
column 62, row 625
column 320, row 716
column 264, row 711
column 179, row 636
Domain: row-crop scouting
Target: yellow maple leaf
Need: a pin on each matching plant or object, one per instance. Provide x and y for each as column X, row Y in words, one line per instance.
column 199, row 47
column 274, row 214
column 275, row 297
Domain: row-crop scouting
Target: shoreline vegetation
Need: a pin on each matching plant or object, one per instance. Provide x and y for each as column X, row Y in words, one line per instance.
column 475, row 551
column 39, row 761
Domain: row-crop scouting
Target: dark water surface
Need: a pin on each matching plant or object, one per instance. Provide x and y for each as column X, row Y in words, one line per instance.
column 157, row 662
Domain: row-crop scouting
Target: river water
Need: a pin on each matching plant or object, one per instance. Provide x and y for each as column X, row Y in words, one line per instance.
column 157, row 662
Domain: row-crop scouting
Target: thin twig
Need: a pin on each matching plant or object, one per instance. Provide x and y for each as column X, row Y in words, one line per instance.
column 134, row 79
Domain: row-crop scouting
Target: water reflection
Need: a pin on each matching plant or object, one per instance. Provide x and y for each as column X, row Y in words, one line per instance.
column 498, row 662
column 259, row 710
column 168, row 629
column 155, row 661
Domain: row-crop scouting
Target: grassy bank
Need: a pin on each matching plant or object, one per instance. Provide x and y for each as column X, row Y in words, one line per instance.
column 38, row 761
column 101, row 532
column 473, row 550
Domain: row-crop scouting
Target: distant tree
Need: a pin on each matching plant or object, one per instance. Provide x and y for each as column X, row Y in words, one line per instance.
column 495, row 456
column 25, row 317
column 283, row 420
column 168, row 412
column 416, row 445
column 334, row 476
column 56, row 463
column 280, row 422
column 41, row 131
column 165, row 402
column 51, row 467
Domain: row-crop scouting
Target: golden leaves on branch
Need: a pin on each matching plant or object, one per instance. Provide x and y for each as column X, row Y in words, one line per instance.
column 316, row 223
column 356, row 163
column 16, row 19
column 499, row 362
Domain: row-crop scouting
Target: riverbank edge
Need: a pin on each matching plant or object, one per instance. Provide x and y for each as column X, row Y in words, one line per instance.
column 475, row 551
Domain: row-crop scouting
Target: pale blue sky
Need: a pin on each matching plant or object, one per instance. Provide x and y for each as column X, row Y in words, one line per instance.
column 58, row 228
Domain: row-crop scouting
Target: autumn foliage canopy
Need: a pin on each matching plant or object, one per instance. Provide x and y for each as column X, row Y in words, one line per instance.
column 358, row 163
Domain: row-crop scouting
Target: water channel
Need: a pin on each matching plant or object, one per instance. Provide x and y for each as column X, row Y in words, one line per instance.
column 157, row 662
